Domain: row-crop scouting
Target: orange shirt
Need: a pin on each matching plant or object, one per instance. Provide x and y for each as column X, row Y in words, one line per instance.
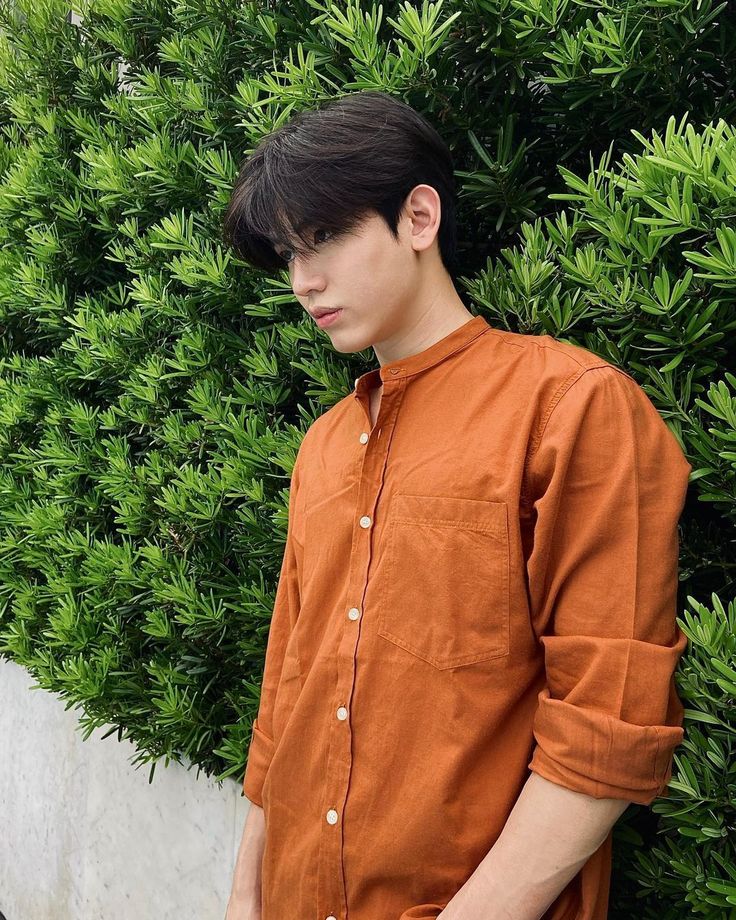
column 481, row 584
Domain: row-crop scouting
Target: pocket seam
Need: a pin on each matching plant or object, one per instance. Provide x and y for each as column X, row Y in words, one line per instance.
column 467, row 503
column 443, row 522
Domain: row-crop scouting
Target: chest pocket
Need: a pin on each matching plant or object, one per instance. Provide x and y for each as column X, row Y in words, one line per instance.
column 446, row 592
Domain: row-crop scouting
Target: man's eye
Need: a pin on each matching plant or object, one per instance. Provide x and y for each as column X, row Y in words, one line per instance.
column 321, row 230
column 287, row 254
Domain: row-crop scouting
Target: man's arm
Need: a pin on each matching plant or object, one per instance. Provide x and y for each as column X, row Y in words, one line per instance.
column 549, row 835
column 283, row 617
column 245, row 896
column 605, row 483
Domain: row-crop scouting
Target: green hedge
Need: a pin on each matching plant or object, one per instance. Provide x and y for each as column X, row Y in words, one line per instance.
column 154, row 390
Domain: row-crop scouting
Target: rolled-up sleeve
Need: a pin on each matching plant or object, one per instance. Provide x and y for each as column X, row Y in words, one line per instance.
column 605, row 486
column 283, row 619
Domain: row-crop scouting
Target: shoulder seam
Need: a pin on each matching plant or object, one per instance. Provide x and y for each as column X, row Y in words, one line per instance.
column 556, row 345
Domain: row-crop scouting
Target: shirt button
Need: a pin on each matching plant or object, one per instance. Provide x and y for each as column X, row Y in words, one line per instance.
column 353, row 613
column 364, row 437
column 365, row 521
column 342, row 713
column 332, row 816
column 330, row 917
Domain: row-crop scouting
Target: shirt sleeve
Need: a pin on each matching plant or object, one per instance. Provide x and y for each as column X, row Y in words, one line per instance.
column 283, row 618
column 605, row 486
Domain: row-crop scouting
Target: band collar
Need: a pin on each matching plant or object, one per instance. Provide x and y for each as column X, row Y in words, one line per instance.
column 412, row 364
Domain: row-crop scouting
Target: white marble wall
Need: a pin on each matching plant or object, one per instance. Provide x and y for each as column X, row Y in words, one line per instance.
column 83, row 836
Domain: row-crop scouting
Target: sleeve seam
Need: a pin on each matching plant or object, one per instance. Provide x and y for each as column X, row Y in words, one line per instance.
column 566, row 385
column 556, row 398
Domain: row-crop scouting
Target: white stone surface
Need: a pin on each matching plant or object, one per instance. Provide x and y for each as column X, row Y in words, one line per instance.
column 83, row 836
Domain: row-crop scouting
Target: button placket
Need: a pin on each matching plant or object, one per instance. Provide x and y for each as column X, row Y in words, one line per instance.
column 331, row 875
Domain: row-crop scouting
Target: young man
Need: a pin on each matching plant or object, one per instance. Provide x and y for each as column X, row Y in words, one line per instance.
column 470, row 665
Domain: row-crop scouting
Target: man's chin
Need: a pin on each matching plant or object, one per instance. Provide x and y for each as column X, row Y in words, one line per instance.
column 346, row 344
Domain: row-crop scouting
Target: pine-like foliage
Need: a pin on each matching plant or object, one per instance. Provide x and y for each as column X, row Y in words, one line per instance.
column 154, row 390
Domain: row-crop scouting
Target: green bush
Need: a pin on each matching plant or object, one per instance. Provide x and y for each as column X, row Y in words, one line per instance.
column 154, row 390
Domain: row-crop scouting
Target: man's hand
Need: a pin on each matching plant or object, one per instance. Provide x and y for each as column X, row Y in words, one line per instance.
column 245, row 897
column 244, row 907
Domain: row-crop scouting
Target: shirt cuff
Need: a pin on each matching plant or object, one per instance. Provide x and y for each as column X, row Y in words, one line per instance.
column 423, row 912
column 259, row 759
column 601, row 756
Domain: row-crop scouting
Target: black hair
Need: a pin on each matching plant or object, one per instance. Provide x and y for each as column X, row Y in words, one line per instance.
column 330, row 168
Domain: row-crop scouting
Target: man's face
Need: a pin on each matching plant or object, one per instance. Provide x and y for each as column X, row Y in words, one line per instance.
column 366, row 273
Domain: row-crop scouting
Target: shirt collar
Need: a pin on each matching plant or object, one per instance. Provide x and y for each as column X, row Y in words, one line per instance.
column 441, row 349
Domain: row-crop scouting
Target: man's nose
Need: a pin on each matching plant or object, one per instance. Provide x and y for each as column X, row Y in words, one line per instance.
column 306, row 277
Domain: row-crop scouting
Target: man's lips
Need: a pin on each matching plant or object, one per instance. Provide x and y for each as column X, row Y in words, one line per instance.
column 327, row 318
